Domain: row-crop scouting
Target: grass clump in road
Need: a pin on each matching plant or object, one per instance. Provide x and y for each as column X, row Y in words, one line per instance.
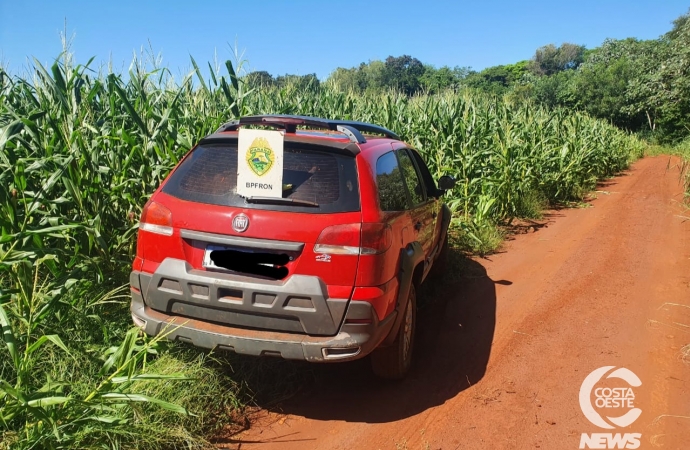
column 81, row 152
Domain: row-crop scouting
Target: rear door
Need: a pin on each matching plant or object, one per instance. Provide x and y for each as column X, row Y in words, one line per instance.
column 432, row 193
column 422, row 206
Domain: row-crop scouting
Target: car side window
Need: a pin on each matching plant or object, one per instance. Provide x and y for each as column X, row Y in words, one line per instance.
column 429, row 183
column 389, row 181
column 414, row 184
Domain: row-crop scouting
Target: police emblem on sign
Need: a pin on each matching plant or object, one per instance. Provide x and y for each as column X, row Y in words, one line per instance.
column 260, row 156
column 240, row 223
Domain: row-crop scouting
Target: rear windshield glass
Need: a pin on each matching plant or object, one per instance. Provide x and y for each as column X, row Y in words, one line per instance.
column 209, row 175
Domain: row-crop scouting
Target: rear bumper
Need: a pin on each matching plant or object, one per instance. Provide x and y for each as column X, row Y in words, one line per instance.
column 294, row 319
column 298, row 304
column 354, row 341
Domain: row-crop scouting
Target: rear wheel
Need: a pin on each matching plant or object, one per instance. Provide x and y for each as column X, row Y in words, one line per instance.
column 393, row 362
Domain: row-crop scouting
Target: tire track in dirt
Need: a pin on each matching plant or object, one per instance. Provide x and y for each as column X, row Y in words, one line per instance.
column 502, row 349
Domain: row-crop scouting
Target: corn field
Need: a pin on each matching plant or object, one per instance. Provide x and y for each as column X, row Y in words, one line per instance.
column 80, row 152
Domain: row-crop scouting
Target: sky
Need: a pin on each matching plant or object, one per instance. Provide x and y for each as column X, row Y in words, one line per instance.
column 302, row 37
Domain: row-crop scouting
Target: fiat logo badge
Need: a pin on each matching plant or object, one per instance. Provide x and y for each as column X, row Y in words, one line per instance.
column 240, row 223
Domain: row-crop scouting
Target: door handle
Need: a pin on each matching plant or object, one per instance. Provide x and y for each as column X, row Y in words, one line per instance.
column 418, row 226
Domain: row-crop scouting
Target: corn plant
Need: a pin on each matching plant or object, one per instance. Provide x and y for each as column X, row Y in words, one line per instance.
column 81, row 150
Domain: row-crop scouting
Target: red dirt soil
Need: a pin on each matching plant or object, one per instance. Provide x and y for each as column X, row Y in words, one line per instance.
column 503, row 348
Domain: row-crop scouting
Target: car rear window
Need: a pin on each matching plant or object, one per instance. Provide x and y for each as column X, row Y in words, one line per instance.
column 209, row 175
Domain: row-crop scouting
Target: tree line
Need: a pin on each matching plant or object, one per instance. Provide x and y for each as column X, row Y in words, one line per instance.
column 638, row 85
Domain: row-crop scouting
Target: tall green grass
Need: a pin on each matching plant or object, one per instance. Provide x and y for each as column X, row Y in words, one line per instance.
column 81, row 151
column 682, row 151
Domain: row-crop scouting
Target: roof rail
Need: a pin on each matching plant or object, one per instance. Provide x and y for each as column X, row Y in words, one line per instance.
column 353, row 130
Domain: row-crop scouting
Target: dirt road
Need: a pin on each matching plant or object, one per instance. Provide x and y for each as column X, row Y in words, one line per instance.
column 503, row 349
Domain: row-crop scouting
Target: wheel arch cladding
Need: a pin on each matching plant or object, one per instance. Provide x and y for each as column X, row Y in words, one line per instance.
column 411, row 266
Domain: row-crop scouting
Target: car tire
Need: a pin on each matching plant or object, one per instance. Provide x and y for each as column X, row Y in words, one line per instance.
column 394, row 361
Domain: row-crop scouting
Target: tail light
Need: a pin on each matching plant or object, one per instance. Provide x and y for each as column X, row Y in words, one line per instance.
column 339, row 240
column 376, row 238
column 354, row 239
column 156, row 218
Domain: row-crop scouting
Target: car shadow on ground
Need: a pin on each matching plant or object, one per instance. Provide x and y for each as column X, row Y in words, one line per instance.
column 455, row 329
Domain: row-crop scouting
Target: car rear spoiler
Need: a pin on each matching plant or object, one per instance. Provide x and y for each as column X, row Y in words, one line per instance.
column 353, row 130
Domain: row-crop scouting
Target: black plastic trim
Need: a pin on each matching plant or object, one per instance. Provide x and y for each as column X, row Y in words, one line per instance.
column 445, row 223
column 342, row 147
column 410, row 258
column 289, row 123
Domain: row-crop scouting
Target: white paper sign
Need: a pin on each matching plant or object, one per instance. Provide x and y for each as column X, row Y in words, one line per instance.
column 260, row 163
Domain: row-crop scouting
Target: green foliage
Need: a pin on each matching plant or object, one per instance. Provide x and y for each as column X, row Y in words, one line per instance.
column 404, row 74
column 79, row 156
column 259, row 79
column 518, row 70
column 549, row 60
column 639, row 85
column 498, row 80
column 670, row 87
column 435, row 80
column 366, row 77
column 603, row 90
column 80, row 153
column 614, row 82
column 299, row 81
column 345, row 80
column 493, row 80
column 50, row 410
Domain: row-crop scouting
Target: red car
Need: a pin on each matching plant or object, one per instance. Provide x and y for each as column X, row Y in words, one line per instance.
column 327, row 271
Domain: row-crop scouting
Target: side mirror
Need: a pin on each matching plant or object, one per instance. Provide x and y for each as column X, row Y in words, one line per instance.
column 446, row 183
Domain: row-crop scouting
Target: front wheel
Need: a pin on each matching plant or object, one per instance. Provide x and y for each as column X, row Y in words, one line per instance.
column 393, row 362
